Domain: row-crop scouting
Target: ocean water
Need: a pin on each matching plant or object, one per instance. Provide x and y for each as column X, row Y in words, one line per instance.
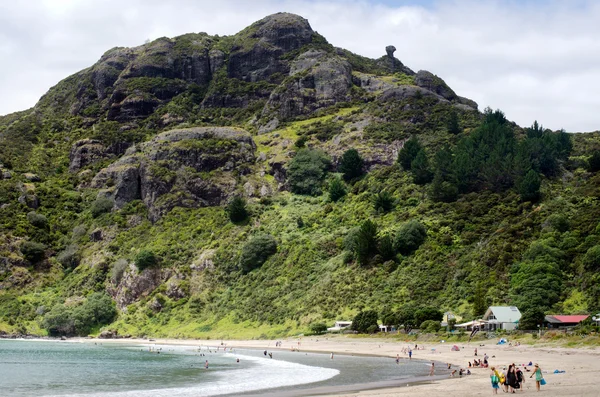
column 44, row 368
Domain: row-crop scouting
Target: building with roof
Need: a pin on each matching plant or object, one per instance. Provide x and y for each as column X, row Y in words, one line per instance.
column 340, row 326
column 564, row 321
column 501, row 317
column 496, row 317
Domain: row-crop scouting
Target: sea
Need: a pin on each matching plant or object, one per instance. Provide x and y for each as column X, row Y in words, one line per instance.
column 63, row 368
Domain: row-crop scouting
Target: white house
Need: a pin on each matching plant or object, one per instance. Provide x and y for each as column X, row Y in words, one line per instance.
column 340, row 325
column 501, row 317
column 496, row 317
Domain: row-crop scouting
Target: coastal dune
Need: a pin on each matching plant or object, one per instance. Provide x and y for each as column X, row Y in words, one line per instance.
column 581, row 365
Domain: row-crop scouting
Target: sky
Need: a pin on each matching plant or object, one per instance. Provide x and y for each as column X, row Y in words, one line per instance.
column 533, row 59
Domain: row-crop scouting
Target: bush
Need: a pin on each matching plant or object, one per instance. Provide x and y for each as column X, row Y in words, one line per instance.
column 365, row 322
column 237, row 209
column 100, row 206
column 351, row 164
column 145, row 259
column 318, row 328
column 97, row 309
column 70, row 257
column 118, row 270
column 37, row 220
column 337, row 190
column 307, row 170
column 256, row 252
column 558, row 222
column 32, row 251
column 383, row 202
column 409, row 237
column 430, row 326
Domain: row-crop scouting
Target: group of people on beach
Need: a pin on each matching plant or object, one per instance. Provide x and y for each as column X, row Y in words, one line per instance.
column 512, row 379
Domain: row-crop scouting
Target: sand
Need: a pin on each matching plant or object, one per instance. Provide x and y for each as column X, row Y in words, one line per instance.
column 582, row 365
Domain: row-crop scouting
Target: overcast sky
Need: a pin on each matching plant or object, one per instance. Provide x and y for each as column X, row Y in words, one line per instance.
column 534, row 59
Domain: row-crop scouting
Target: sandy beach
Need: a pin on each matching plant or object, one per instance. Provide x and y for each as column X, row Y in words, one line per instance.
column 581, row 365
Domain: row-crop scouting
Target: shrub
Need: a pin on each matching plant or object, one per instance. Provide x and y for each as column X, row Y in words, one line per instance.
column 37, row 220
column 364, row 322
column 145, row 259
column 33, row 251
column 237, row 209
column 59, row 321
column 337, row 190
column 70, row 257
column 351, row 164
column 430, row 326
column 318, row 328
column 256, row 252
column 558, row 222
column 383, row 202
column 409, row 237
column 100, row 206
column 118, row 270
column 409, row 151
column 307, row 170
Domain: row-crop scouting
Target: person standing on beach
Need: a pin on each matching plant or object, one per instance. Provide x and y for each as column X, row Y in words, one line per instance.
column 410, row 354
column 538, row 376
column 495, row 380
column 432, row 370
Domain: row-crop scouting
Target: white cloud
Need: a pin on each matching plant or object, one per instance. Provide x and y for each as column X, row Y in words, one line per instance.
column 534, row 60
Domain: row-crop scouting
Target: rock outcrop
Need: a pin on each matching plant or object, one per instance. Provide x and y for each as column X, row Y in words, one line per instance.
column 191, row 167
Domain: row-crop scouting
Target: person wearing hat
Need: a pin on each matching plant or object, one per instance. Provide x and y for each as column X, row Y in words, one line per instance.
column 539, row 378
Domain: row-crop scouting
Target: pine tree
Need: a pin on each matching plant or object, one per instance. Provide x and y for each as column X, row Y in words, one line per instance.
column 479, row 306
column 351, row 164
column 366, row 244
column 530, row 186
column 420, row 168
column 594, row 162
column 442, row 190
column 409, row 151
column 337, row 190
column 453, row 126
column 386, row 248
column 237, row 209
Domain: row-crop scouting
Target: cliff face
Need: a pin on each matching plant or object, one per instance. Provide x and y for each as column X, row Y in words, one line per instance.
column 116, row 182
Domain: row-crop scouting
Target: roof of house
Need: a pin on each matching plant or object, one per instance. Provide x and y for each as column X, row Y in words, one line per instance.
column 558, row 319
column 504, row 314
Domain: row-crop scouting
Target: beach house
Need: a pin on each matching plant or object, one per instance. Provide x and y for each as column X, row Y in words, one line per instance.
column 564, row 321
column 501, row 317
column 340, row 325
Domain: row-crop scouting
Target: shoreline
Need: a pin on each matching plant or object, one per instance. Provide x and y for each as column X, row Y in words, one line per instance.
column 581, row 364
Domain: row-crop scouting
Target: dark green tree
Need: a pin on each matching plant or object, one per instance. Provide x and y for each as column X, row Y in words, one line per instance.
column 237, row 209
column 409, row 151
column 365, row 322
column 318, row 328
column 531, row 319
column 409, row 237
column 453, row 126
column 591, row 260
column 479, row 305
column 366, row 243
column 428, row 313
column 594, row 162
column 145, row 259
column 256, row 252
column 337, row 189
column 386, row 248
column 442, row 190
column 529, row 189
column 33, row 251
column 307, row 170
column 351, row 164
column 420, row 168
column 383, row 202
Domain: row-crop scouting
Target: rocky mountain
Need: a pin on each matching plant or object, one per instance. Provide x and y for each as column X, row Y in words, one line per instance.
column 125, row 180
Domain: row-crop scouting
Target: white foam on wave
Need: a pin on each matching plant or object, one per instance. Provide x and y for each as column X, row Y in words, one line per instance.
column 267, row 374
